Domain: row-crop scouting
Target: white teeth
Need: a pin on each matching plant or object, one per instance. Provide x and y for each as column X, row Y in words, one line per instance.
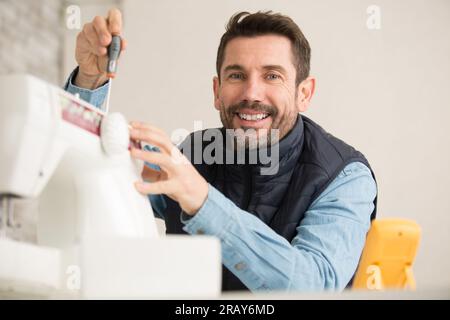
column 253, row 117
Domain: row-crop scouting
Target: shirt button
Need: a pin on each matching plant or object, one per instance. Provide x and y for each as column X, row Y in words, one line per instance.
column 200, row 231
column 239, row 266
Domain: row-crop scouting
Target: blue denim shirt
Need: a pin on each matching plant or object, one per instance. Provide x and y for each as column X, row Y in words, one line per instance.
column 323, row 255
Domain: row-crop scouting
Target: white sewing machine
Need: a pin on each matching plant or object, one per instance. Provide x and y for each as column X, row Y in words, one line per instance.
column 94, row 235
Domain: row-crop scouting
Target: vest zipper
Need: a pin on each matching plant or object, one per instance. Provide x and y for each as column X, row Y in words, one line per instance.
column 248, row 187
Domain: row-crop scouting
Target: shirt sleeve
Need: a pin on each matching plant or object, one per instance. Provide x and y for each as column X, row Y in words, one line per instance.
column 325, row 251
column 95, row 97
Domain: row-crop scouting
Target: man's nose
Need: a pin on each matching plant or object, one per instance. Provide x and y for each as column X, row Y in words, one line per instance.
column 253, row 90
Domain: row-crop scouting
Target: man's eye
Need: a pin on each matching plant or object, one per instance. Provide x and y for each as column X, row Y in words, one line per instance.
column 272, row 76
column 237, row 76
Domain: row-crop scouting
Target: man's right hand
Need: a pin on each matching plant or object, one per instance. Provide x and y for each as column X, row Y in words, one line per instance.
column 91, row 50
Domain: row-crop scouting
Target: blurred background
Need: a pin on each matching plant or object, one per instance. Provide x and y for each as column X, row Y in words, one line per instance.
column 382, row 69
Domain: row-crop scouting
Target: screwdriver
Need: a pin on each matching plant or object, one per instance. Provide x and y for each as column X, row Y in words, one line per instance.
column 111, row 68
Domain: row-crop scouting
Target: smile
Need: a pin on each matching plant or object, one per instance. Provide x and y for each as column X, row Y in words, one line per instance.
column 253, row 117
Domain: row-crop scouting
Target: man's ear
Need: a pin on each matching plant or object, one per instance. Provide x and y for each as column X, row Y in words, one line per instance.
column 305, row 91
column 216, row 86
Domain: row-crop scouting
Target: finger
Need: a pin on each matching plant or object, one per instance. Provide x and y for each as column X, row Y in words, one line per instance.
column 123, row 45
column 143, row 125
column 115, row 21
column 101, row 27
column 158, row 158
column 161, row 187
column 156, row 131
column 153, row 138
column 92, row 37
column 150, row 174
column 83, row 45
column 86, row 47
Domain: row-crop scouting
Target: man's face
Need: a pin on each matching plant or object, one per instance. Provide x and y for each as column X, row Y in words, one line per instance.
column 257, row 85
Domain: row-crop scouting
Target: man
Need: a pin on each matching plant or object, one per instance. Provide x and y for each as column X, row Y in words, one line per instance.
column 303, row 227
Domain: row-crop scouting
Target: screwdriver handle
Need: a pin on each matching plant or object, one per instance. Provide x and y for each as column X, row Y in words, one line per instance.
column 113, row 55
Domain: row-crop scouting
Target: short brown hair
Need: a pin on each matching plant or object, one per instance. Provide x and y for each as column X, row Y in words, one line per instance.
column 263, row 23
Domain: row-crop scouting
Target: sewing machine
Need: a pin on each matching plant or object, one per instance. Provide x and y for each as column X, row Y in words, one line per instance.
column 89, row 233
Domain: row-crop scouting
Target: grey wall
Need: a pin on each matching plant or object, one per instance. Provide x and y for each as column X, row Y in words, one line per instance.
column 31, row 38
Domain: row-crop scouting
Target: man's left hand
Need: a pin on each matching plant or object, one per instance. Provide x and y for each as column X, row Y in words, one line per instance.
column 178, row 179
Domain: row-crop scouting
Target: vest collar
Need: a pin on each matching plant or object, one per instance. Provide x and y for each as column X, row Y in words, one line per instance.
column 289, row 149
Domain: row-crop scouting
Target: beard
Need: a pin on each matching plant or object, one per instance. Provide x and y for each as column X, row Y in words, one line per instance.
column 251, row 138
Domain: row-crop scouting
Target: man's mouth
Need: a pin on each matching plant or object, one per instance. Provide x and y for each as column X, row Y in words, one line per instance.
column 253, row 117
column 255, row 121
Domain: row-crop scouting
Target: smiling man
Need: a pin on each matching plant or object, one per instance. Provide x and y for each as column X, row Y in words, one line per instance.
column 302, row 227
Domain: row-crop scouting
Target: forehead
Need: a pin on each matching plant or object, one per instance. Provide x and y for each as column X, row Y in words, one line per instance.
column 254, row 52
